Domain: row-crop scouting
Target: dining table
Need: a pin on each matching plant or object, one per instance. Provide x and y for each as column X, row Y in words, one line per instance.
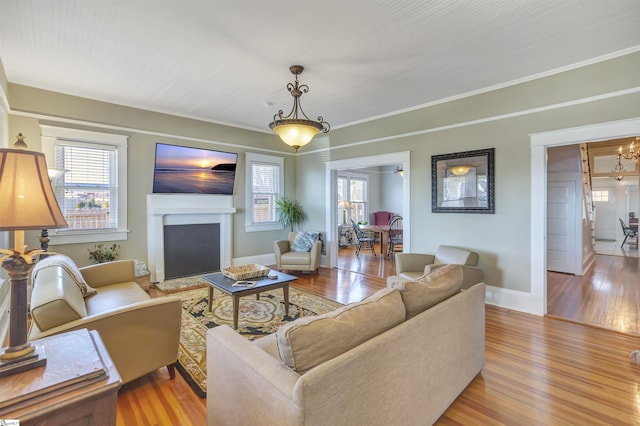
column 377, row 229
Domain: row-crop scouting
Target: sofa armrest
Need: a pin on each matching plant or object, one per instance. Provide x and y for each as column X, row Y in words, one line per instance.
column 412, row 262
column 140, row 337
column 240, row 375
column 108, row 273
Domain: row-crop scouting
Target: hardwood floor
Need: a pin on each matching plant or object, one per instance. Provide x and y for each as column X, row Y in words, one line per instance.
column 607, row 296
column 538, row 370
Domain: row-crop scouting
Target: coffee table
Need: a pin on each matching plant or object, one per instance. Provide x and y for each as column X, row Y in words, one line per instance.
column 225, row 285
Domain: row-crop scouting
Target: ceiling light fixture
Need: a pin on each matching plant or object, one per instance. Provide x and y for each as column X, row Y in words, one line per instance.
column 632, row 155
column 460, row 170
column 294, row 131
column 618, row 169
column 399, row 171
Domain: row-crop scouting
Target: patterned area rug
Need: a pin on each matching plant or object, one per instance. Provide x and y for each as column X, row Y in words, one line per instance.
column 180, row 284
column 257, row 318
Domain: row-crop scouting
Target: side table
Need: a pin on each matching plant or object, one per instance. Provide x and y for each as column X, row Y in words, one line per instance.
column 78, row 385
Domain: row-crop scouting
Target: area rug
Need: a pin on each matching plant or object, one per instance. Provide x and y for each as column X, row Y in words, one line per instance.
column 180, row 284
column 257, row 318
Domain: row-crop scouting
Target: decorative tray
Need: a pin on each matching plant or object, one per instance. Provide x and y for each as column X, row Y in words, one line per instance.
column 244, row 272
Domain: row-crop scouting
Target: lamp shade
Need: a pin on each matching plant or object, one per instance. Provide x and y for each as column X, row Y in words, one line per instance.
column 296, row 134
column 26, row 196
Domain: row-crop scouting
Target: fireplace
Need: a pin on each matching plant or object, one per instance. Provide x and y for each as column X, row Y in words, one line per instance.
column 168, row 210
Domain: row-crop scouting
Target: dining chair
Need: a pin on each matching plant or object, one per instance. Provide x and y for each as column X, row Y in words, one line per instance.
column 395, row 235
column 363, row 238
column 628, row 232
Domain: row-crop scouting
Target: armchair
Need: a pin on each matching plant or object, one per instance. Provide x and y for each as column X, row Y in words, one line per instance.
column 411, row 266
column 286, row 259
column 140, row 333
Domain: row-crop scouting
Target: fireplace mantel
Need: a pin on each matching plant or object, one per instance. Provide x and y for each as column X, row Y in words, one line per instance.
column 180, row 209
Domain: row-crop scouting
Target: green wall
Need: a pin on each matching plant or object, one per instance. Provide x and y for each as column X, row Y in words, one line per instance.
column 502, row 119
column 31, row 107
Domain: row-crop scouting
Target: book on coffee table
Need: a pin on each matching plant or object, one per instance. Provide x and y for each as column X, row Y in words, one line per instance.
column 247, row 284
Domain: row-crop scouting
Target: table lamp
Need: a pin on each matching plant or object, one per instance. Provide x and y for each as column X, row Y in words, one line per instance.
column 28, row 202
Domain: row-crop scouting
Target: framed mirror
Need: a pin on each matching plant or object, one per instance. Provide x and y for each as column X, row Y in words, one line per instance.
column 463, row 182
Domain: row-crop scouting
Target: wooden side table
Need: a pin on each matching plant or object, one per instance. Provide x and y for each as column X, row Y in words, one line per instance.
column 78, row 385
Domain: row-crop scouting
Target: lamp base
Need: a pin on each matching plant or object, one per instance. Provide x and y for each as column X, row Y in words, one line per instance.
column 35, row 357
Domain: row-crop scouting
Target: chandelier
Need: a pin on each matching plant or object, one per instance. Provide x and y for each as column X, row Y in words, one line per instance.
column 293, row 130
column 632, row 155
column 619, row 169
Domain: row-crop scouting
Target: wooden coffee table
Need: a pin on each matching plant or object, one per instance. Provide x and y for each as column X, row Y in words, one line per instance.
column 225, row 285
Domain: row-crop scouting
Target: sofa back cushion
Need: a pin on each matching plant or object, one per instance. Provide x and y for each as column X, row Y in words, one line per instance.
column 459, row 256
column 310, row 341
column 430, row 289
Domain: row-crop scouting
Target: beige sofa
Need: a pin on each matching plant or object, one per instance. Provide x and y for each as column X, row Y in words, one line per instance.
column 411, row 266
column 140, row 333
column 342, row 373
column 286, row 259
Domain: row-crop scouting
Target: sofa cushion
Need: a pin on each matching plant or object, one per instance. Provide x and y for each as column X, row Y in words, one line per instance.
column 304, row 241
column 65, row 262
column 296, row 258
column 115, row 296
column 310, row 341
column 430, row 289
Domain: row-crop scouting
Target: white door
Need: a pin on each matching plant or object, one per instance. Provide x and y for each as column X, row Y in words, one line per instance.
column 561, row 234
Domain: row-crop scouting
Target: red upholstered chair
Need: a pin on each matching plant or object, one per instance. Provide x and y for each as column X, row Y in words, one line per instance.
column 381, row 218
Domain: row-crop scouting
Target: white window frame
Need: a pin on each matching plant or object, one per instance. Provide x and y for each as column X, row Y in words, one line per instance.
column 50, row 135
column 252, row 158
column 360, row 176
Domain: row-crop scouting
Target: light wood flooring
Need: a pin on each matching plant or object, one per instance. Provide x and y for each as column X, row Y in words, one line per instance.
column 538, row 370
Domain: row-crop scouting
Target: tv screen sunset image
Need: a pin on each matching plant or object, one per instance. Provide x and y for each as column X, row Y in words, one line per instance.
column 180, row 169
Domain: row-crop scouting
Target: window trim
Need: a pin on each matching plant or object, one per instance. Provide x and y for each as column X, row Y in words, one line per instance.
column 50, row 135
column 251, row 158
column 362, row 176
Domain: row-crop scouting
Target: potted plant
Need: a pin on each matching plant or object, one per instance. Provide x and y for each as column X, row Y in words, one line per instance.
column 290, row 212
column 101, row 254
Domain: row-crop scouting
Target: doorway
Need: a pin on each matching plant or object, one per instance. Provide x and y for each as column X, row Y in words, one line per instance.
column 332, row 169
column 537, row 300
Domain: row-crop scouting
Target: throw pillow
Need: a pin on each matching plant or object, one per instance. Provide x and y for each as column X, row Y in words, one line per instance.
column 310, row 341
column 70, row 268
column 304, row 241
column 430, row 289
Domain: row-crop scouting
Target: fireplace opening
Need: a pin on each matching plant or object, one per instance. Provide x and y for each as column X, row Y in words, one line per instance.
column 191, row 249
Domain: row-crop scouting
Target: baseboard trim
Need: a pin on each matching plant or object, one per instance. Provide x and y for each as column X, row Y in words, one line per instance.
column 514, row 300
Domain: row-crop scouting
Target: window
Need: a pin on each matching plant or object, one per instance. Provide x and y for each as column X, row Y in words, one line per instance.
column 602, row 196
column 265, row 184
column 353, row 194
column 92, row 190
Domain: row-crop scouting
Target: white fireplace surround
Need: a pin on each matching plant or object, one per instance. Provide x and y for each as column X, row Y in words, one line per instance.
column 185, row 209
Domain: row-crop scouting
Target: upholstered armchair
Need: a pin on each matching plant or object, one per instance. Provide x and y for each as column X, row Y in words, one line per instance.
column 291, row 256
column 140, row 333
column 411, row 266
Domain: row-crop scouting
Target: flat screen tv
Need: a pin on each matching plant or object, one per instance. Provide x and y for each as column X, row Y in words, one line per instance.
column 186, row 170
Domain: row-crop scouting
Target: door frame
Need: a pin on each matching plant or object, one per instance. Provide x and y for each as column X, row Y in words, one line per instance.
column 537, row 300
column 331, row 202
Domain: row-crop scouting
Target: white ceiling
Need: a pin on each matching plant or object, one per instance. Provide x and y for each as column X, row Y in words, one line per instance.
column 220, row 61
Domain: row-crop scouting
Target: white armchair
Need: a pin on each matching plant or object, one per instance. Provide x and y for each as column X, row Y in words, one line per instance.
column 411, row 266
column 286, row 259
